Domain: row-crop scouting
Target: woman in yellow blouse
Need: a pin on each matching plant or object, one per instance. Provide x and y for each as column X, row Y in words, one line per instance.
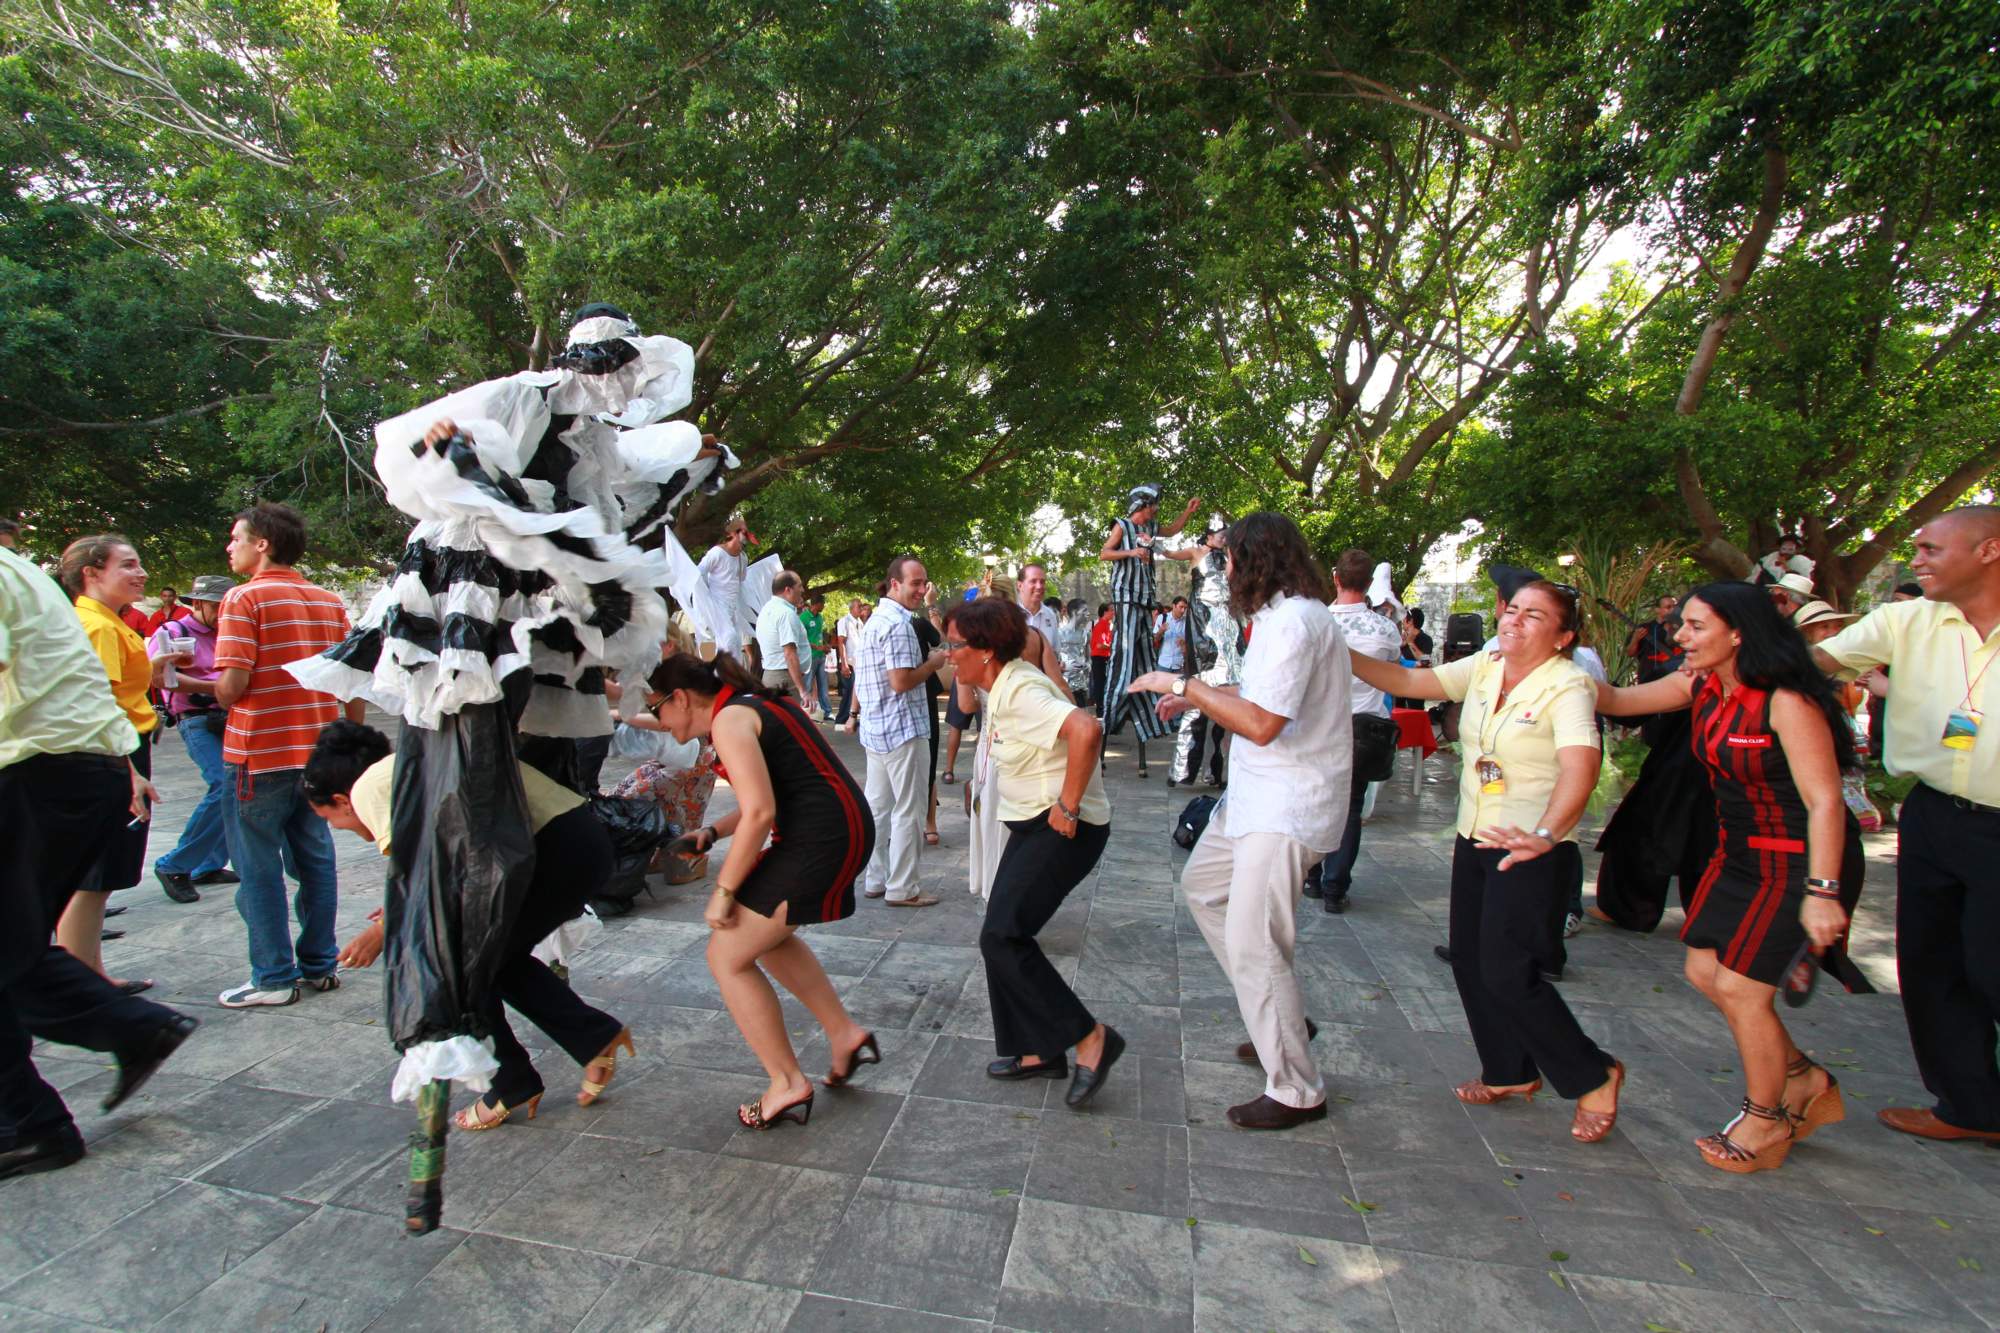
column 1530, row 760
column 104, row 575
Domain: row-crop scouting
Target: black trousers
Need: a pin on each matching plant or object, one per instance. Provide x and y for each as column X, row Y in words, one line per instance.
column 1506, row 928
column 1947, row 939
column 1100, row 667
column 1034, row 1010
column 844, row 681
column 1336, row 872
column 57, row 812
column 572, row 861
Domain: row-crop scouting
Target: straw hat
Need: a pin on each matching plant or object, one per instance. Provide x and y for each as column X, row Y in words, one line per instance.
column 1818, row 613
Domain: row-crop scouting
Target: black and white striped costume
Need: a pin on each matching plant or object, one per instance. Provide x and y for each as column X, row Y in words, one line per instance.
column 540, row 547
column 1132, row 653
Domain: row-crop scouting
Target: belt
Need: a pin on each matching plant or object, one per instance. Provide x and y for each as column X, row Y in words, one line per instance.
column 1961, row 802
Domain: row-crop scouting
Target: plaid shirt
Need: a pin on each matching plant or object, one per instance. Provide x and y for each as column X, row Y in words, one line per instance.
column 888, row 640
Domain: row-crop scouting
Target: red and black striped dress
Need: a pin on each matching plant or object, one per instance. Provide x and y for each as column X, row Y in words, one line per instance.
column 1746, row 906
column 823, row 834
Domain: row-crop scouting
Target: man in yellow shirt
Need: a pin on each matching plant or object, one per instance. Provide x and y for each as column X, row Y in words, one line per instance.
column 1948, row 838
column 67, row 788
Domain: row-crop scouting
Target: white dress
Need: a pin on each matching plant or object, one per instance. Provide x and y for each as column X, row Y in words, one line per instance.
column 989, row 835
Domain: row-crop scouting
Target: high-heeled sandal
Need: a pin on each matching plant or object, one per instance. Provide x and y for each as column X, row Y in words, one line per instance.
column 753, row 1117
column 1825, row 1107
column 1478, row 1092
column 867, row 1053
column 1726, row 1154
column 475, row 1117
column 608, row 1057
column 1592, row 1126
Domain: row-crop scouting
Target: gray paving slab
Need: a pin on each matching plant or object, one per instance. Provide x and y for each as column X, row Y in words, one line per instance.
column 258, row 1181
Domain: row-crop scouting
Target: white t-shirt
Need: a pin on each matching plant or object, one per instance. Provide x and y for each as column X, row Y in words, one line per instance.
column 849, row 626
column 1370, row 635
column 1299, row 668
column 1046, row 620
column 777, row 625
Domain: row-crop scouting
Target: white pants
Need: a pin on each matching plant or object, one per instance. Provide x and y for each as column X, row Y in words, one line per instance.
column 896, row 799
column 1244, row 893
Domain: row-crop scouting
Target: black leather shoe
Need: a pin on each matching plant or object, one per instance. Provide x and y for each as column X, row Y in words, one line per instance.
column 222, row 876
column 1267, row 1113
column 1312, row 889
column 179, row 887
column 1086, row 1081
column 1248, row 1050
column 110, row 912
column 110, row 935
column 1443, row 953
column 1012, row 1068
column 50, row 1152
column 140, row 1065
column 1336, row 904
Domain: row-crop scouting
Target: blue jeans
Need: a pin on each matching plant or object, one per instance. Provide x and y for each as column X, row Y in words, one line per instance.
column 204, row 844
column 1336, row 872
column 271, row 830
column 817, row 683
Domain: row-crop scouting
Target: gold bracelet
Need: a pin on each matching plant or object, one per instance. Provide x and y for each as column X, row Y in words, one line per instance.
column 727, row 893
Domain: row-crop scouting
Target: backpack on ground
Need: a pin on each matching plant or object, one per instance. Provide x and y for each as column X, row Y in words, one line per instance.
column 1194, row 818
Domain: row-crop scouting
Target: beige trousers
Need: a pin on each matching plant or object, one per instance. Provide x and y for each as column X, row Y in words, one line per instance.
column 1244, row 893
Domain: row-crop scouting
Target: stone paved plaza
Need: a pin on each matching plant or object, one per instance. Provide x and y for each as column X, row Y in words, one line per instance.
column 258, row 1181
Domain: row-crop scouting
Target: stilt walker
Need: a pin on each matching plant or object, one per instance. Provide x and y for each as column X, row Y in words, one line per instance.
column 1129, row 548
column 542, row 503
column 1214, row 647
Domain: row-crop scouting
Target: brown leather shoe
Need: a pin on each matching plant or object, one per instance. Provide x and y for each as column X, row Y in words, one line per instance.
column 1923, row 1122
column 1247, row 1051
column 1268, row 1113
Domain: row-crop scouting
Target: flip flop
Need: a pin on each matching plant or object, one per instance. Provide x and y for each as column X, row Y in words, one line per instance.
column 949, row 777
column 930, row 838
column 1800, row 976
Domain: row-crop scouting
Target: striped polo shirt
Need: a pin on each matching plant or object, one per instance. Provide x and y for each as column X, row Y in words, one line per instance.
column 275, row 618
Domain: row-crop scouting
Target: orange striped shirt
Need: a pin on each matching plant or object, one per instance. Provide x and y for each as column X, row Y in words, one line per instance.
column 275, row 618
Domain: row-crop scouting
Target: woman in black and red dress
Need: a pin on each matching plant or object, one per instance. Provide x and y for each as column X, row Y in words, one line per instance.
column 1767, row 729
column 791, row 787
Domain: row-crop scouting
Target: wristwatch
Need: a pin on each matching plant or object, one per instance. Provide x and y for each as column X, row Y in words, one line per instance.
column 1545, row 834
column 1180, row 687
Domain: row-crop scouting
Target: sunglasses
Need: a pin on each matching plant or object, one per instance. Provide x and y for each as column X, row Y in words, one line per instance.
column 953, row 645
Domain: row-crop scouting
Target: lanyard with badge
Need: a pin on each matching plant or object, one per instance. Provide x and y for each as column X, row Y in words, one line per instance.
column 1492, row 780
column 1961, row 725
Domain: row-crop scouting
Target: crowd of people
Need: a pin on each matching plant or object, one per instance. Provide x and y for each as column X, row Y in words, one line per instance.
column 1280, row 678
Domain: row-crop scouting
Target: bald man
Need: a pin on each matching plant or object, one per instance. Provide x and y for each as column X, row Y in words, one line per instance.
column 1948, row 838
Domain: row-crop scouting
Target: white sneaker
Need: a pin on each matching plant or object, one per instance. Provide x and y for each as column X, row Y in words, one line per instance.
column 1571, row 925
column 248, row 996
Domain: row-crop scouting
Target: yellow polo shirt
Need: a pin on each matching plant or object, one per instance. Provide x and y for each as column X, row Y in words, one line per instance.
column 1555, row 706
column 123, row 653
column 1027, row 712
column 52, row 700
column 546, row 798
column 1938, row 663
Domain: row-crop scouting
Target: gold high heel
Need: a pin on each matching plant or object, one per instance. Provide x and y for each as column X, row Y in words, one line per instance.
column 479, row 1110
column 608, row 1057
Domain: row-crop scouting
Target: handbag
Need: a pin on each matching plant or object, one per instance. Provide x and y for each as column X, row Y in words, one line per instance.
column 1374, row 748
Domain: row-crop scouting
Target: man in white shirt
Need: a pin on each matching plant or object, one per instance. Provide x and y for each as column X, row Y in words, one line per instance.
column 844, row 636
column 722, row 572
column 889, row 673
column 1366, row 633
column 1033, row 593
column 1289, row 769
column 782, row 644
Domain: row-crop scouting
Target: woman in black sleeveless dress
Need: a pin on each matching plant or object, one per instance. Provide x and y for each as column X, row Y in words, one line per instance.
column 1772, row 739
column 791, row 787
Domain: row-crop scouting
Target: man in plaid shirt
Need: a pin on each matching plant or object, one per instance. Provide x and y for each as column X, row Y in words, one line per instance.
column 889, row 673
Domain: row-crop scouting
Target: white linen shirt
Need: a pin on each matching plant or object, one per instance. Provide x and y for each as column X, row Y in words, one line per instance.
column 777, row 625
column 724, row 575
column 1299, row 668
column 1373, row 636
column 889, row 719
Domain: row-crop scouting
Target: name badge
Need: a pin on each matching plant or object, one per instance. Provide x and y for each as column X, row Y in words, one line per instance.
column 1961, row 729
column 1749, row 742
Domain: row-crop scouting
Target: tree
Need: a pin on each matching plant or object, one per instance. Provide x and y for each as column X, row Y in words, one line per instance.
column 1824, row 349
column 831, row 202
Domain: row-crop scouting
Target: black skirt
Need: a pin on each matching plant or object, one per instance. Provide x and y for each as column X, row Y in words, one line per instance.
column 122, row 862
